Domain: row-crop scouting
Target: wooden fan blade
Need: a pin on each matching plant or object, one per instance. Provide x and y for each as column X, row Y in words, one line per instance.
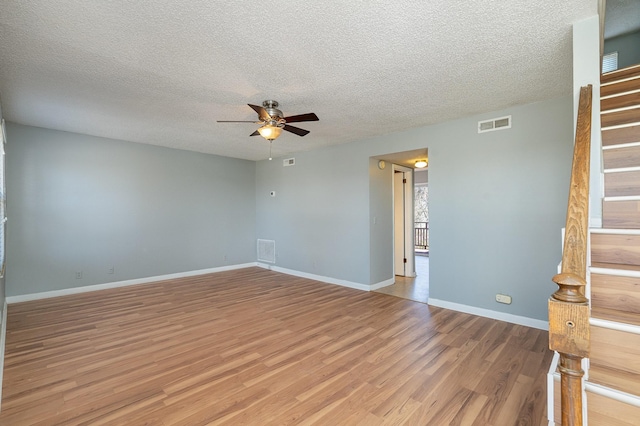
column 264, row 115
column 256, row 133
column 236, row 121
column 297, row 130
column 302, row 117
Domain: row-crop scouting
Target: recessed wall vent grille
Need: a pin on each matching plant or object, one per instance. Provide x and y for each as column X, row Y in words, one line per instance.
column 267, row 251
column 288, row 162
column 610, row 62
column 500, row 123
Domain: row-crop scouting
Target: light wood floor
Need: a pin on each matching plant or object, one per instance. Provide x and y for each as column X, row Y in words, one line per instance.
column 256, row 347
column 416, row 288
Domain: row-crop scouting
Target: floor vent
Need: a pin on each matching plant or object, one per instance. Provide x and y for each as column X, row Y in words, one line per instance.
column 267, row 251
column 288, row 162
column 494, row 124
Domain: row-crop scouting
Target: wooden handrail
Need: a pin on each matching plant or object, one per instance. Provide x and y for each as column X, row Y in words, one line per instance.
column 568, row 306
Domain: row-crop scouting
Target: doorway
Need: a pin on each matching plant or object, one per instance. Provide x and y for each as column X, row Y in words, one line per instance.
column 407, row 178
column 403, row 245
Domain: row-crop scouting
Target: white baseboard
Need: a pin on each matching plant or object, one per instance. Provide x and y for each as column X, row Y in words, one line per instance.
column 551, row 378
column 487, row 313
column 381, row 284
column 328, row 280
column 3, row 339
column 146, row 280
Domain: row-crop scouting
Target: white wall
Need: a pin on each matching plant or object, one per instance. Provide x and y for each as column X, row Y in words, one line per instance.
column 497, row 204
column 82, row 203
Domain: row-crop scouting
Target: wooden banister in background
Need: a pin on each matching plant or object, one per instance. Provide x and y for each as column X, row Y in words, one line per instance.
column 568, row 306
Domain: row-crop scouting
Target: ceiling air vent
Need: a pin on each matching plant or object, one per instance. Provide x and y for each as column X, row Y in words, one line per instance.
column 288, row 162
column 494, row 124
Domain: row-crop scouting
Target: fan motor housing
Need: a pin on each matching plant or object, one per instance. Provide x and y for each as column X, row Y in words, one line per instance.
column 272, row 110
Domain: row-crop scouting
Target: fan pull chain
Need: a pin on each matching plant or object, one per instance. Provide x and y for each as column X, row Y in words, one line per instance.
column 270, row 144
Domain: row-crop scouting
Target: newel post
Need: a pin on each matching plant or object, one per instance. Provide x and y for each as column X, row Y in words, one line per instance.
column 569, row 332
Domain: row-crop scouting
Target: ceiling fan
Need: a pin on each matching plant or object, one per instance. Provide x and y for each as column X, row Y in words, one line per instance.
column 273, row 121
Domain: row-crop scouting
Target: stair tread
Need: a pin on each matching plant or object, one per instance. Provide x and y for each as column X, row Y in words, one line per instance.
column 620, row 136
column 622, row 247
column 626, row 183
column 615, row 315
column 618, row 266
column 622, row 101
column 613, row 378
column 620, row 87
column 621, row 214
column 622, row 73
column 622, row 157
column 617, row 118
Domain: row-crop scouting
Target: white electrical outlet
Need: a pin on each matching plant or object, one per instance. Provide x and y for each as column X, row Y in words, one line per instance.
column 503, row 298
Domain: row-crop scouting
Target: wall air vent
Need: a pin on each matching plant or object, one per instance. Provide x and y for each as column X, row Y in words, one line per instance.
column 267, row 251
column 494, row 124
column 610, row 62
column 288, row 162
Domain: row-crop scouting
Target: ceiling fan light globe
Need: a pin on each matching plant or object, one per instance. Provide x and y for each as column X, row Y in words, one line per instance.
column 270, row 132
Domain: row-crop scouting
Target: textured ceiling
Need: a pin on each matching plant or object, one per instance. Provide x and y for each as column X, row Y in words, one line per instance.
column 163, row 72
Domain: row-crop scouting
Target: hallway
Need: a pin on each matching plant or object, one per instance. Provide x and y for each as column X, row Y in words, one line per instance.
column 416, row 289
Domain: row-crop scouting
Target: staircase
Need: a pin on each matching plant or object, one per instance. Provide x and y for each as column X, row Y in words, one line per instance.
column 613, row 384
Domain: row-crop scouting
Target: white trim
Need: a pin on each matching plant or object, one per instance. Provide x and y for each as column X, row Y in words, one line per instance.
column 622, row 170
column 611, row 111
column 551, row 377
column 487, row 313
column 614, row 231
column 623, row 198
column 620, row 126
column 3, row 340
column 615, row 95
column 622, row 80
column 328, row 280
column 627, row 398
column 96, row 287
column 621, row 145
column 630, row 273
column 381, row 284
column 611, row 325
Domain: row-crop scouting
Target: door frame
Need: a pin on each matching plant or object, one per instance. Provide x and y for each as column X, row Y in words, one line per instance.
column 408, row 217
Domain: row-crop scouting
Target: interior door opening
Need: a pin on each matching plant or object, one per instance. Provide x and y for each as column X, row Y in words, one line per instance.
column 404, row 252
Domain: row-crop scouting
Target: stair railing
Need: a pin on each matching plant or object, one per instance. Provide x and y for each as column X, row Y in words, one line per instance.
column 568, row 306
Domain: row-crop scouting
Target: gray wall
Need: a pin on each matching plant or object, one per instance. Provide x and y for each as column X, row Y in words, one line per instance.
column 421, row 177
column 319, row 217
column 2, row 280
column 628, row 48
column 497, row 204
column 380, row 216
column 85, row 203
